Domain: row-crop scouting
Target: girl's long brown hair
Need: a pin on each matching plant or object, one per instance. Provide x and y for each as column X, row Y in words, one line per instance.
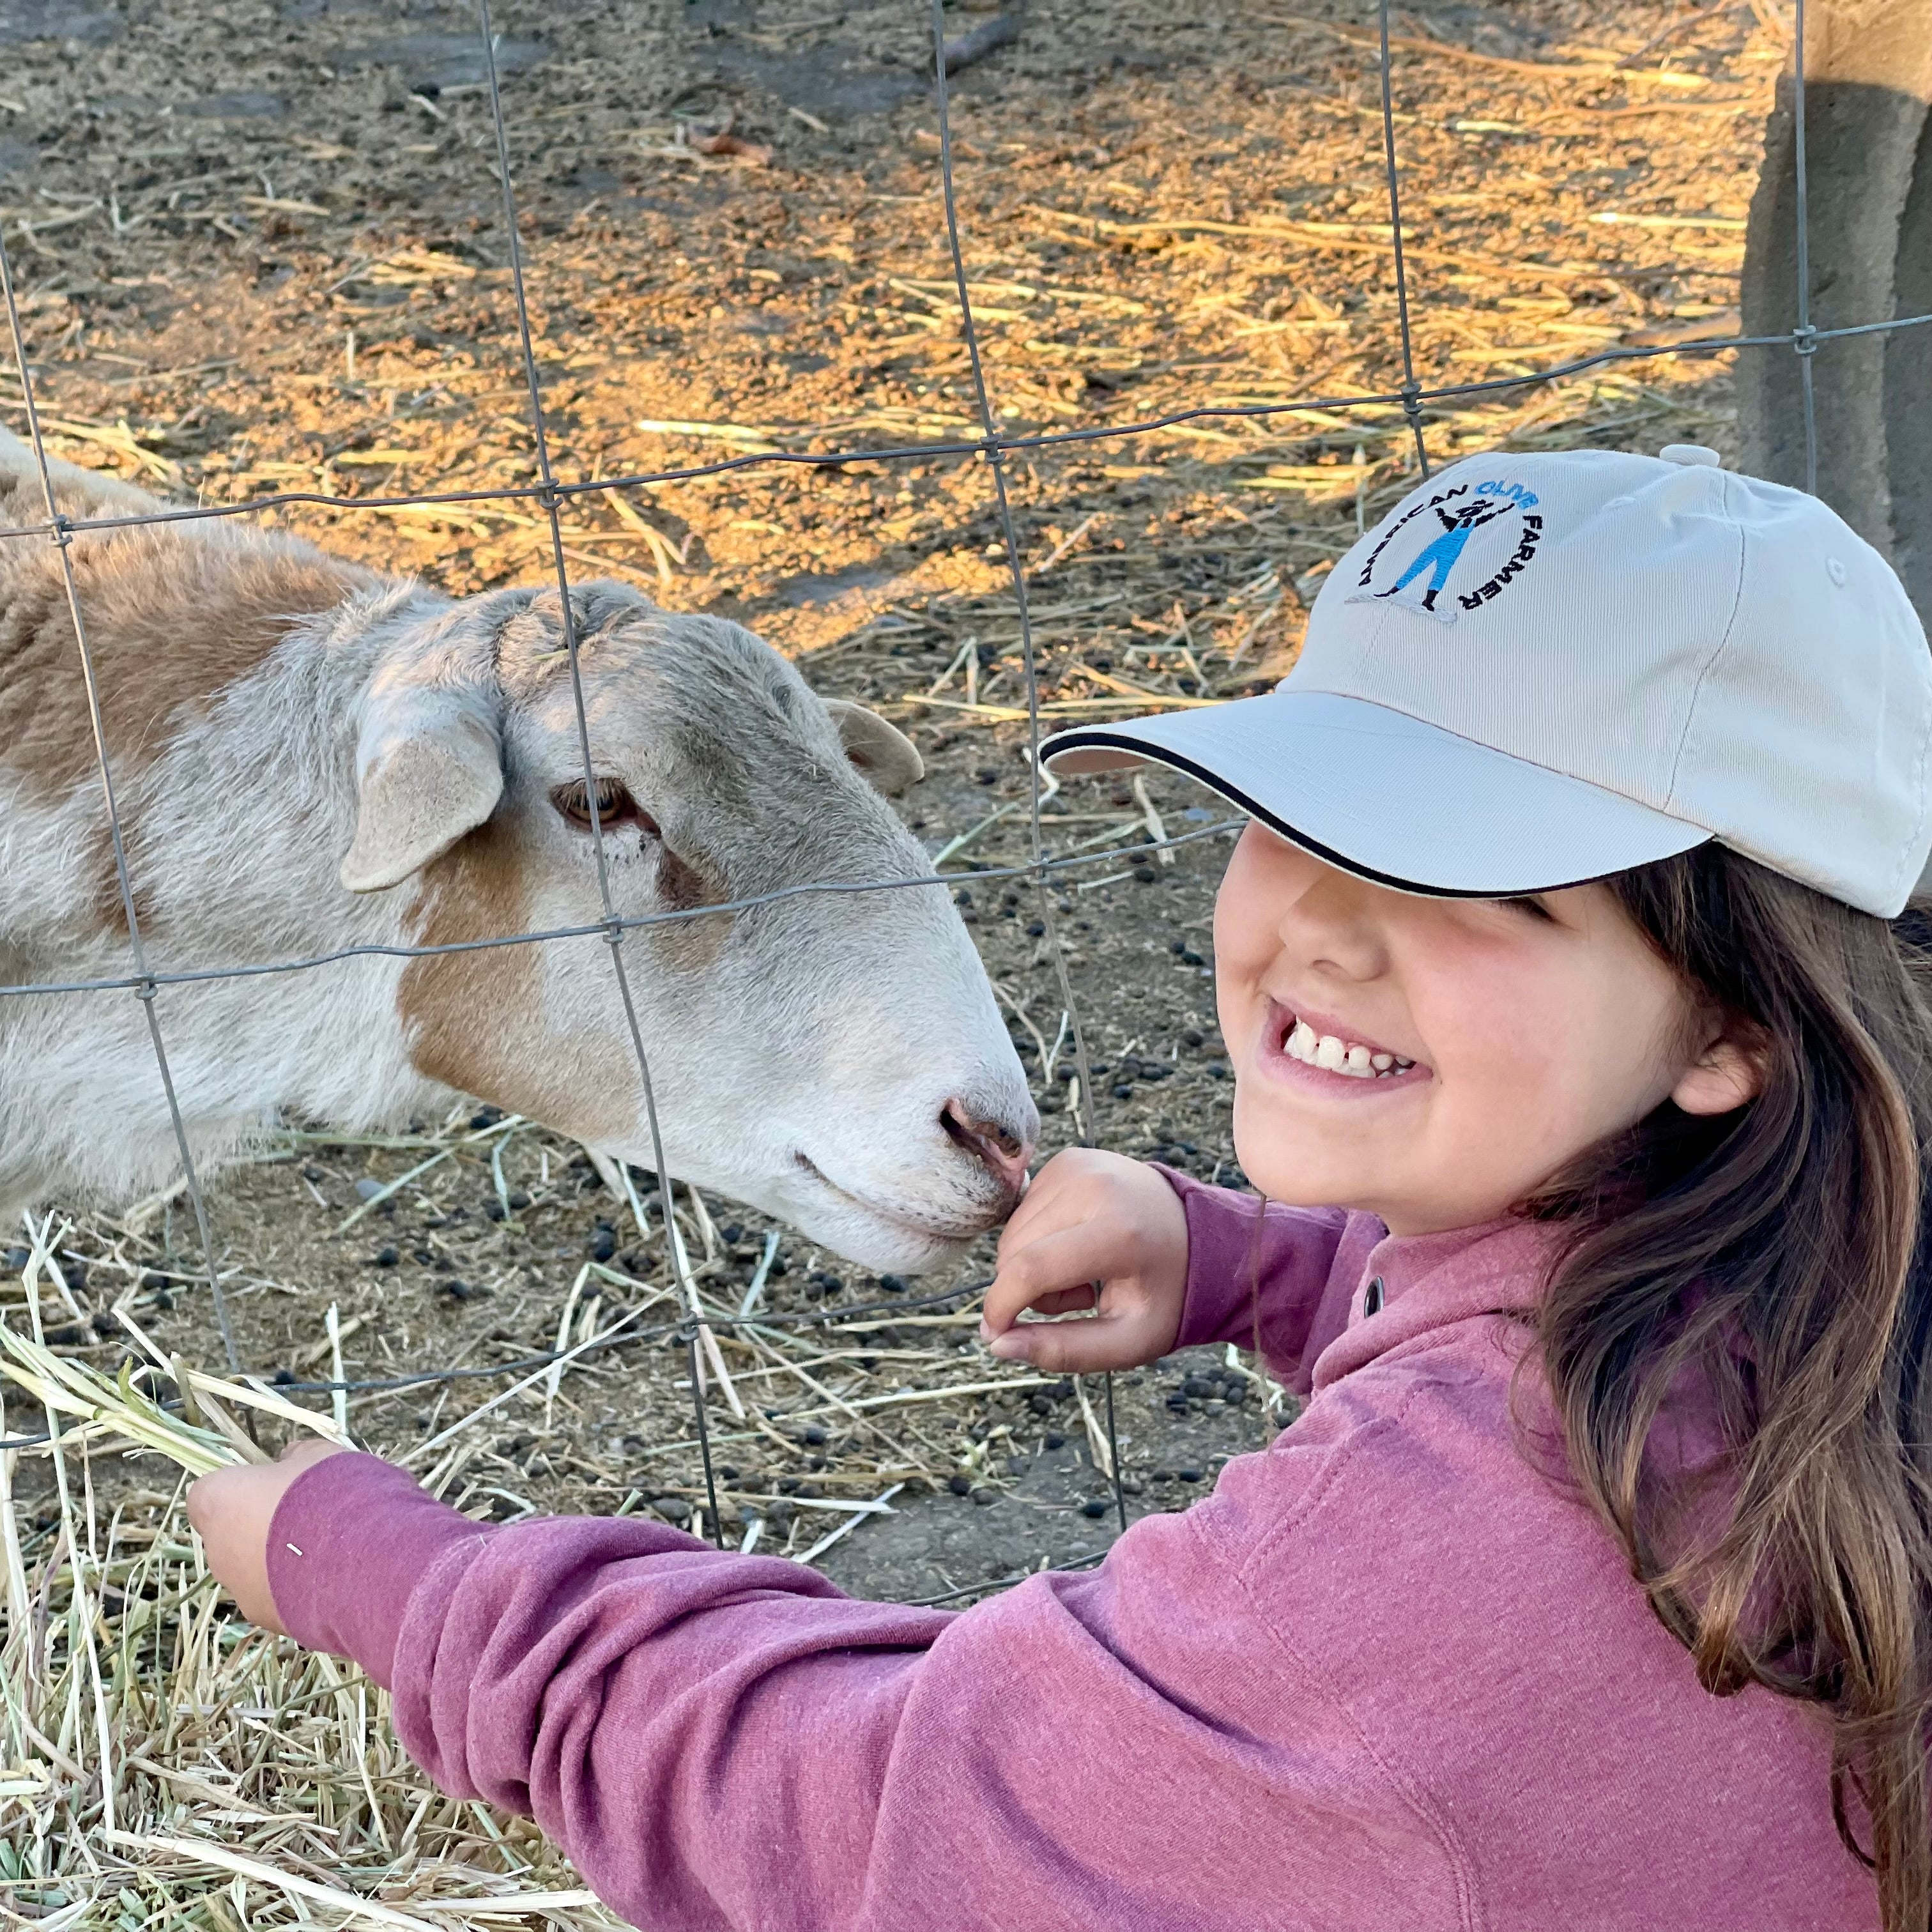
column 1774, row 1263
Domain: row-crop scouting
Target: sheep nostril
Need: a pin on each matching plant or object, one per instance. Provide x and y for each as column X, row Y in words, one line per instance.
column 958, row 1125
column 1003, row 1152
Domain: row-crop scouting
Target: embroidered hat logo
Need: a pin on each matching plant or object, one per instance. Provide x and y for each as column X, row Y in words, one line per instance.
column 1442, row 525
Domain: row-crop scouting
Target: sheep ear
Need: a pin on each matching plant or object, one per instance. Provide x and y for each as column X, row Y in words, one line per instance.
column 429, row 767
column 881, row 752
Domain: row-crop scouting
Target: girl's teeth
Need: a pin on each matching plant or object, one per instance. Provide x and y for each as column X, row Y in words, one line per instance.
column 1338, row 1056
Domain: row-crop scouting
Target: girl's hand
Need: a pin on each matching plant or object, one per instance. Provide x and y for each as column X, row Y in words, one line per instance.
column 1094, row 1230
column 232, row 1509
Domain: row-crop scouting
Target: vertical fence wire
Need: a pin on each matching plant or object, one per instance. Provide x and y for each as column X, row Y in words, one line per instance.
column 1086, row 1117
column 1805, row 341
column 614, row 932
column 145, row 989
column 1412, row 390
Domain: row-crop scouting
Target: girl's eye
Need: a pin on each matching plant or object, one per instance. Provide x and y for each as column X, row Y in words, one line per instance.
column 615, row 806
column 1531, row 909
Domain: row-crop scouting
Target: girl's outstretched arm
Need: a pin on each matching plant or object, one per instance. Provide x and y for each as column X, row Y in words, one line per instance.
column 723, row 1742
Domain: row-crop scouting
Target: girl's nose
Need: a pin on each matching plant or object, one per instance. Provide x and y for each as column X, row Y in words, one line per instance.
column 1332, row 926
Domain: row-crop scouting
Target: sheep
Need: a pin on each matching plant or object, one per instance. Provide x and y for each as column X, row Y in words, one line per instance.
column 309, row 756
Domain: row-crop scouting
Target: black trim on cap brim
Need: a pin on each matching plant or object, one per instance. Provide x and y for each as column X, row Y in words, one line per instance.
column 1081, row 741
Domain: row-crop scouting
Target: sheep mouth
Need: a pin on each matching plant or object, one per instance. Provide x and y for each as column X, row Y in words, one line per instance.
column 916, row 1219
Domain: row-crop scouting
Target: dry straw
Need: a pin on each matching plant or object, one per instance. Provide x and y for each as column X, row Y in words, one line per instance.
column 162, row 1764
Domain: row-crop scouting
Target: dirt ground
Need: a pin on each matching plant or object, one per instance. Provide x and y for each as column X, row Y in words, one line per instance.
column 260, row 249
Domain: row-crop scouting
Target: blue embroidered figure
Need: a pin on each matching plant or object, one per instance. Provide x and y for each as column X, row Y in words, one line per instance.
column 1440, row 556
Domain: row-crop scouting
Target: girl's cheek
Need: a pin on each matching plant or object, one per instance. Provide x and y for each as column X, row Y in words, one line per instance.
column 1234, row 1006
column 1496, row 1024
column 1246, row 939
column 1552, row 1058
column 1242, row 956
column 1228, row 922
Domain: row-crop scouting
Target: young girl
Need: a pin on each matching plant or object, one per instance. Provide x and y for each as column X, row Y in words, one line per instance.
column 1590, row 1089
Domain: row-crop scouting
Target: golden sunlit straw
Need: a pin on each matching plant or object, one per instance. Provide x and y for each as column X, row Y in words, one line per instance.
column 114, row 1414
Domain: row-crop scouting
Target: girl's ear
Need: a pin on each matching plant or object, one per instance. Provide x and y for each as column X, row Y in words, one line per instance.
column 1727, row 1074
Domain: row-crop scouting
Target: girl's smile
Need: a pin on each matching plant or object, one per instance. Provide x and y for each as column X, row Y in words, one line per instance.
column 1322, row 1054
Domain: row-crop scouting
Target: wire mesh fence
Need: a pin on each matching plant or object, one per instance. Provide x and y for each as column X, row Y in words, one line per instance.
column 992, row 447
column 208, row 1682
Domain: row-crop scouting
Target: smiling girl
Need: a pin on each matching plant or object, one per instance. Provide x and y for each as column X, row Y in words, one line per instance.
column 1589, row 1090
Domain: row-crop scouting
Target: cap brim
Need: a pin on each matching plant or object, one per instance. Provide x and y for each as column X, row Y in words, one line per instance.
column 1388, row 797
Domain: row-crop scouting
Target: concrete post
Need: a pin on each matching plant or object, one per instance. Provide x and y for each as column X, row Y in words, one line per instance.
column 1868, row 133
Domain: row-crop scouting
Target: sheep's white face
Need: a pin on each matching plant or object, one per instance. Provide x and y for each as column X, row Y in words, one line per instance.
column 834, row 1058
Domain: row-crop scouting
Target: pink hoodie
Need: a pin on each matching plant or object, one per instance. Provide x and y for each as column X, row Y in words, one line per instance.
column 1388, row 1676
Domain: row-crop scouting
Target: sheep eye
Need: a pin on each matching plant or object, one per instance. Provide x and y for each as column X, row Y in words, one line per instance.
column 615, row 806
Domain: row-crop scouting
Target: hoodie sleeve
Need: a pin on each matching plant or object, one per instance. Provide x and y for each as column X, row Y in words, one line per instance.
column 1254, row 1266
column 724, row 1743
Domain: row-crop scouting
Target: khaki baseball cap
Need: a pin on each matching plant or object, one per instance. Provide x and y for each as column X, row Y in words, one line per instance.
column 1540, row 669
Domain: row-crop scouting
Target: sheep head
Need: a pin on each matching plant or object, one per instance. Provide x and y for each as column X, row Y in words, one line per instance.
column 835, row 1057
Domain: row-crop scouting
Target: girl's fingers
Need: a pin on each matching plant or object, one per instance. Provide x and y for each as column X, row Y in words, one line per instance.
column 1065, row 1300
column 1082, row 1348
column 1069, row 1259
column 1095, row 1230
column 1068, row 1189
column 1049, row 1206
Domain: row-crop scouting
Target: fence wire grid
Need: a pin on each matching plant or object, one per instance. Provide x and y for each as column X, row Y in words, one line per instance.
column 696, row 1331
